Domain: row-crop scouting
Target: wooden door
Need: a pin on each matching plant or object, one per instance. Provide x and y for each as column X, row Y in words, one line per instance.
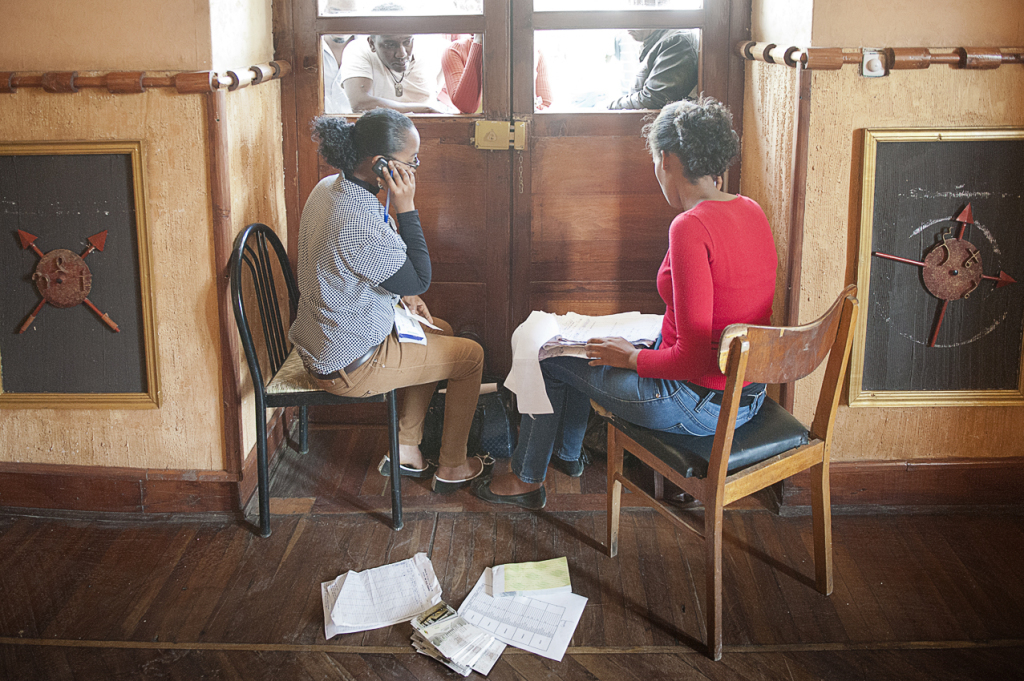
column 576, row 220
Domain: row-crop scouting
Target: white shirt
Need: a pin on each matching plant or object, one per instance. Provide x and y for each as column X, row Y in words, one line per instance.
column 335, row 100
column 362, row 62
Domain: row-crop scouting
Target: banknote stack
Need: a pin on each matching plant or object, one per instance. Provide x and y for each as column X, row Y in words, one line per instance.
column 442, row 634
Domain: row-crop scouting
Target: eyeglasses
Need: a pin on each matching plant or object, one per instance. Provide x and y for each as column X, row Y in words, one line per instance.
column 415, row 161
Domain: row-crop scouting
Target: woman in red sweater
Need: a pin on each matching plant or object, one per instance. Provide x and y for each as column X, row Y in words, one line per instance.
column 719, row 270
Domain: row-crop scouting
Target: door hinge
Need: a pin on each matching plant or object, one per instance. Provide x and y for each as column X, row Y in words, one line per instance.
column 497, row 135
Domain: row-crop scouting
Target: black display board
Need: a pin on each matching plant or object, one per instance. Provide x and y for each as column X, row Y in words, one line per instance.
column 63, row 199
column 919, row 183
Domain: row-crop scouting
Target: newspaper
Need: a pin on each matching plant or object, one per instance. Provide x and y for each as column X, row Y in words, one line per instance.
column 442, row 634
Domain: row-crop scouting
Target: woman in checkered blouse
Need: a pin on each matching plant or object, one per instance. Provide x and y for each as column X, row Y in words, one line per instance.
column 355, row 263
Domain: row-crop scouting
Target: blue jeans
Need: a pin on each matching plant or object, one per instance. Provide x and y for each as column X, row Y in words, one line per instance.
column 571, row 383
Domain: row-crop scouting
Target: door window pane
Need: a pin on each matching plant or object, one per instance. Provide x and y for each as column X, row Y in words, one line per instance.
column 590, row 5
column 431, row 69
column 399, row 7
column 593, row 70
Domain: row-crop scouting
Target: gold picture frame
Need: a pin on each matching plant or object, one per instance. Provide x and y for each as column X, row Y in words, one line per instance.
column 897, row 360
column 138, row 318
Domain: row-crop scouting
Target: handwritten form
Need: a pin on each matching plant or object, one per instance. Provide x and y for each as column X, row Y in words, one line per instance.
column 542, row 625
column 379, row 597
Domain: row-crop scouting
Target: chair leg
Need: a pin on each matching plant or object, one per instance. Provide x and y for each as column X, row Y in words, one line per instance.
column 614, row 489
column 821, row 511
column 262, row 475
column 713, row 568
column 303, row 429
column 396, row 477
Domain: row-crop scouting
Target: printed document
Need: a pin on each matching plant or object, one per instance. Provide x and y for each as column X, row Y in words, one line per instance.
column 542, row 625
column 379, row 597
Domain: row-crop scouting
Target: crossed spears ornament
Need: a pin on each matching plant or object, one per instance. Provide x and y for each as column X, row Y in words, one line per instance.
column 952, row 269
column 63, row 278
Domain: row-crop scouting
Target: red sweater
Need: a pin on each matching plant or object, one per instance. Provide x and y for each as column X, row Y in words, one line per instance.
column 719, row 270
column 461, row 64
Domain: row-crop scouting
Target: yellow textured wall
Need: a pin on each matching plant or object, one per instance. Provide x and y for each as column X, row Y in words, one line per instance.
column 915, row 23
column 110, row 35
column 842, row 104
column 187, row 431
column 257, row 191
column 767, row 152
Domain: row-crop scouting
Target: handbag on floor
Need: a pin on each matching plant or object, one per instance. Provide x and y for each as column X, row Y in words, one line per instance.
column 492, row 432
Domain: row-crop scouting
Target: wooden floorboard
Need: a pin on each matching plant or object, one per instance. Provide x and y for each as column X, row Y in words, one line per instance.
column 173, row 597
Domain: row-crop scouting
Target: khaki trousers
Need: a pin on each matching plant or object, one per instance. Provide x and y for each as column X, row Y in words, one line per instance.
column 417, row 369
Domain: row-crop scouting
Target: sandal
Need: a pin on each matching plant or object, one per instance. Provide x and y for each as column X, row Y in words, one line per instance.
column 442, row 486
column 384, row 468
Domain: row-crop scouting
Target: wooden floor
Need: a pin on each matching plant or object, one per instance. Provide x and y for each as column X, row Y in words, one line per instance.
column 925, row 596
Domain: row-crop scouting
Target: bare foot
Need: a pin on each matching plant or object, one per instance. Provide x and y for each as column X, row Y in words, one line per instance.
column 469, row 469
column 509, row 483
column 410, row 456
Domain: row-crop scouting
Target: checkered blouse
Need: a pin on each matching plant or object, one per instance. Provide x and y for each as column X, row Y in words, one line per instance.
column 345, row 251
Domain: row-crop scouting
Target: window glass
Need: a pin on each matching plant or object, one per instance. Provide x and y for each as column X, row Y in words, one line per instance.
column 590, row 5
column 429, row 69
column 594, row 70
column 400, row 7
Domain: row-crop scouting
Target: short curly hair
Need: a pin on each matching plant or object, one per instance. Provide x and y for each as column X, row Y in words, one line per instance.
column 378, row 132
column 699, row 133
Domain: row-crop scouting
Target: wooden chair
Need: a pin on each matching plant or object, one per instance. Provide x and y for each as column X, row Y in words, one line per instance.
column 737, row 462
column 265, row 290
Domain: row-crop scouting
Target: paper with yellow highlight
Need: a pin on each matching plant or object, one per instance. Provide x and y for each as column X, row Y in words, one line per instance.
column 540, row 577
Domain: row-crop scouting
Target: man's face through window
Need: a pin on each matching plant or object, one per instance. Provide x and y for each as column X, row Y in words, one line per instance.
column 394, row 50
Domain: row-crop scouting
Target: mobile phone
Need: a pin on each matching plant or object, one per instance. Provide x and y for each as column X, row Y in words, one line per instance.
column 381, row 167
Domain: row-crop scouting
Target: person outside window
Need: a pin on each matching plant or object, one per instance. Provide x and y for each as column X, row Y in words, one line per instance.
column 668, row 69
column 383, row 72
column 462, row 65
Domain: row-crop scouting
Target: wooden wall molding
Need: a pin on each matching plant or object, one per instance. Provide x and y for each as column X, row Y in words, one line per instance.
column 925, row 483
column 132, row 490
column 895, row 58
column 135, row 82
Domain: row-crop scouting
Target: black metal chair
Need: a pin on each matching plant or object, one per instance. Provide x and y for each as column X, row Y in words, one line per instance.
column 269, row 292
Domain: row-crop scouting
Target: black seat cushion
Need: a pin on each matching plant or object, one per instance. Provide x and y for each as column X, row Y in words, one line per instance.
column 772, row 431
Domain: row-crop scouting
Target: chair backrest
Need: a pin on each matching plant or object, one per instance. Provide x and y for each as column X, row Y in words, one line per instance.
column 781, row 354
column 264, row 297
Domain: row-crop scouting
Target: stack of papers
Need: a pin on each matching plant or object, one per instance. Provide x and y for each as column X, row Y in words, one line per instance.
column 442, row 634
column 539, row 614
column 575, row 330
column 543, row 625
column 379, row 597
column 532, row 579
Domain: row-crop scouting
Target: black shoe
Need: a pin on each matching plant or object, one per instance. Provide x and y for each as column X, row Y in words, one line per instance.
column 384, row 468
column 442, row 486
column 533, row 501
column 573, row 469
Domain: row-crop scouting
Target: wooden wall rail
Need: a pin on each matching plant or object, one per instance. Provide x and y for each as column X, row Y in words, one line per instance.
column 134, row 82
column 832, row 58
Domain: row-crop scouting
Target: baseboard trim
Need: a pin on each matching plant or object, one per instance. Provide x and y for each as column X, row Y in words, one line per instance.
column 949, row 482
column 107, row 489
column 870, row 484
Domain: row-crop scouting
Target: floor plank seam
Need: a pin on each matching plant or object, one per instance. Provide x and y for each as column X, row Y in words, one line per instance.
column 578, row 650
